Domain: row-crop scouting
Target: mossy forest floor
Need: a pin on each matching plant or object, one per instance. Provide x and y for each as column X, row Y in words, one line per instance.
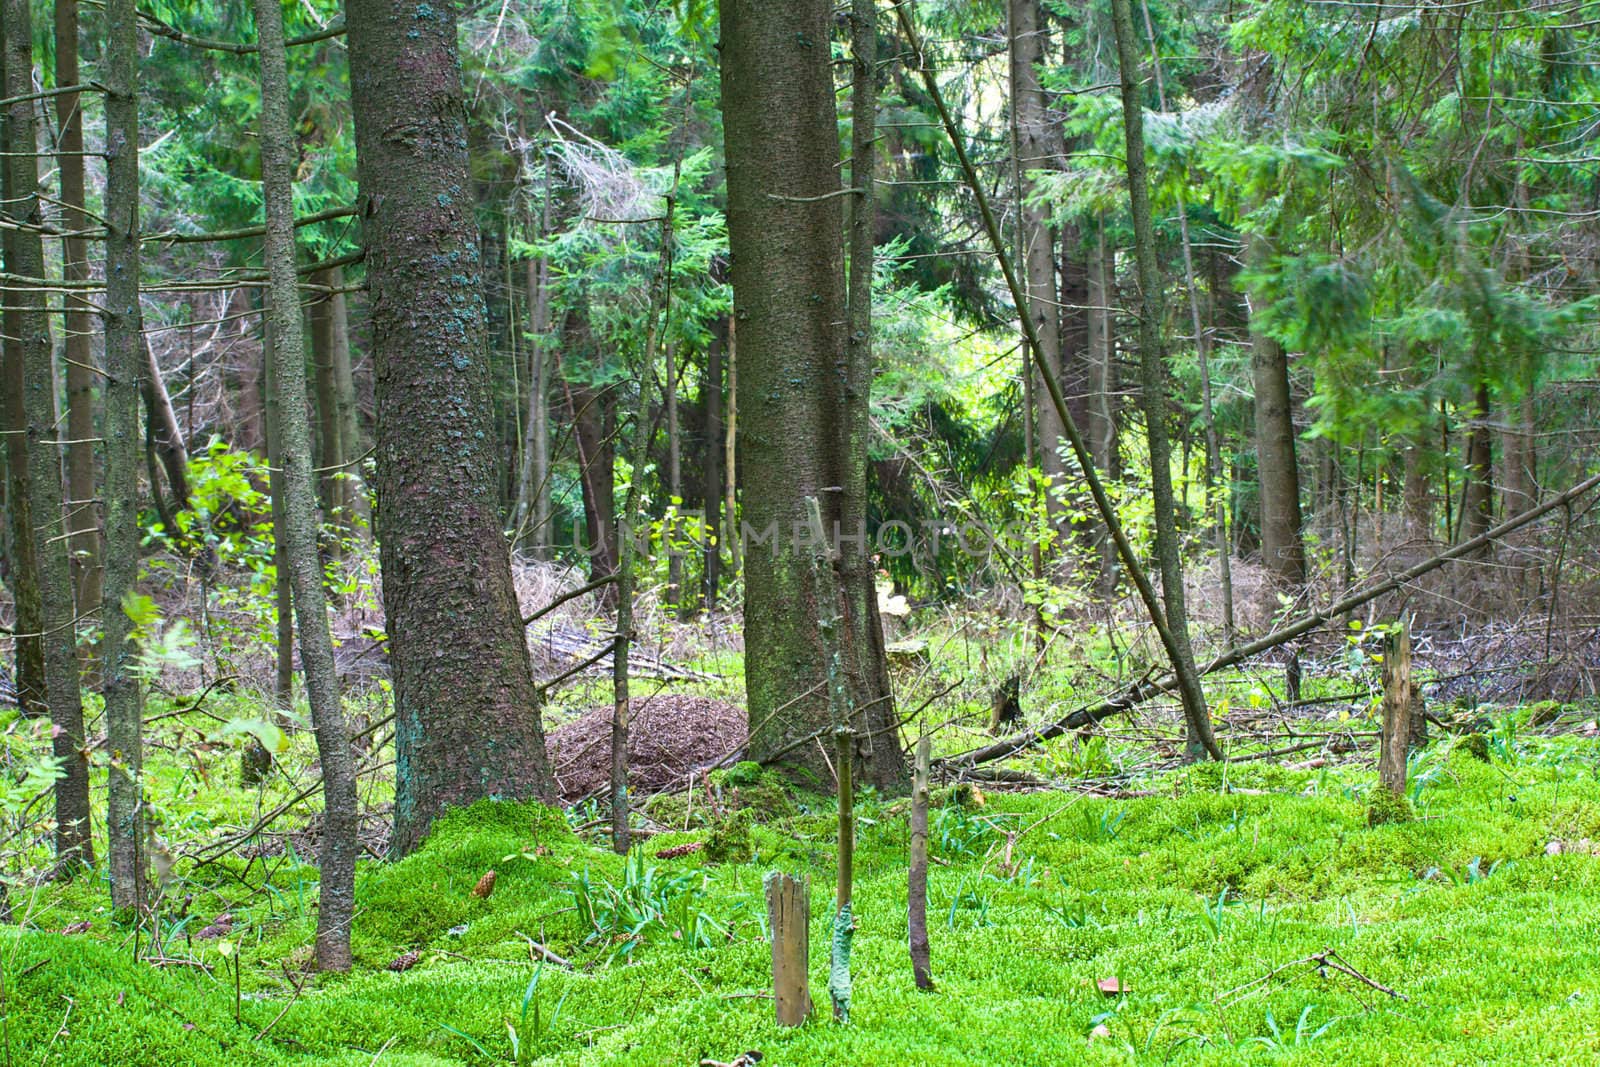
column 1483, row 914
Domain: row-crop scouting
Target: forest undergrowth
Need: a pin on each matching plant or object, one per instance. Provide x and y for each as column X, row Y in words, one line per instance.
column 1094, row 900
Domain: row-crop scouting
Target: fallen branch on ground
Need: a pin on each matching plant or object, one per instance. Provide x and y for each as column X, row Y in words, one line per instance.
column 1138, row 693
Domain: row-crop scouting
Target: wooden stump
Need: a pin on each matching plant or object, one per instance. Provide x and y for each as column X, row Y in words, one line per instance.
column 1007, row 706
column 917, row 885
column 1397, row 696
column 789, row 917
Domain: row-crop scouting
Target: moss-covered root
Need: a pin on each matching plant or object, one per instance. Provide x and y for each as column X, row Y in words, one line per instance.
column 1386, row 807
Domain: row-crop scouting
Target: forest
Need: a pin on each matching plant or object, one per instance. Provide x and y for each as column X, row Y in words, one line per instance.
column 854, row 532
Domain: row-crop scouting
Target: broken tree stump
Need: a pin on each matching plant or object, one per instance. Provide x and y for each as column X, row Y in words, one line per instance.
column 1007, row 707
column 789, row 918
column 917, row 883
column 1397, row 698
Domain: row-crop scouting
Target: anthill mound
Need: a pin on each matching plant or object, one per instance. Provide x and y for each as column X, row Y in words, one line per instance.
column 671, row 735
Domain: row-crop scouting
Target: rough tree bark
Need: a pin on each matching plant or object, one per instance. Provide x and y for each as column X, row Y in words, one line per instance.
column 83, row 519
column 283, row 590
column 336, row 858
column 23, row 565
column 802, row 384
column 52, row 554
column 466, row 711
column 1153, row 387
column 124, row 364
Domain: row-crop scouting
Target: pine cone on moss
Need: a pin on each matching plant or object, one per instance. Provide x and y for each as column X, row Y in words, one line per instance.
column 680, row 850
column 405, row 961
column 485, row 885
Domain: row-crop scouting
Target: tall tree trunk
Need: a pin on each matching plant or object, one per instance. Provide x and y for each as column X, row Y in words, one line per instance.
column 1477, row 486
column 803, row 418
column 711, row 493
column 1036, row 146
column 467, row 714
column 875, row 741
column 733, row 532
column 336, row 857
column 82, row 513
column 1153, row 390
column 52, row 554
column 23, row 562
column 1282, row 550
column 353, row 495
column 330, row 453
column 675, row 593
column 532, row 512
column 1102, row 421
column 1202, row 346
column 283, row 591
column 125, row 820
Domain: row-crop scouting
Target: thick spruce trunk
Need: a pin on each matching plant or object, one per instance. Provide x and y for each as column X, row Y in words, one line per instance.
column 802, row 386
column 467, row 720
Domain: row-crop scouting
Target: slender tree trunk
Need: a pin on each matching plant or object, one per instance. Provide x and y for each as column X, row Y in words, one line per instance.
column 1036, row 146
column 675, row 594
column 532, row 512
column 628, row 539
column 732, row 530
column 353, row 492
column 336, row 859
column 1477, row 487
column 283, row 590
column 874, row 740
column 1186, row 677
column 467, row 714
column 1202, row 345
column 804, row 420
column 1102, row 424
column 52, row 553
column 331, row 452
column 711, row 494
column 82, row 513
column 1153, row 388
column 1282, row 550
column 124, row 365
column 23, row 562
